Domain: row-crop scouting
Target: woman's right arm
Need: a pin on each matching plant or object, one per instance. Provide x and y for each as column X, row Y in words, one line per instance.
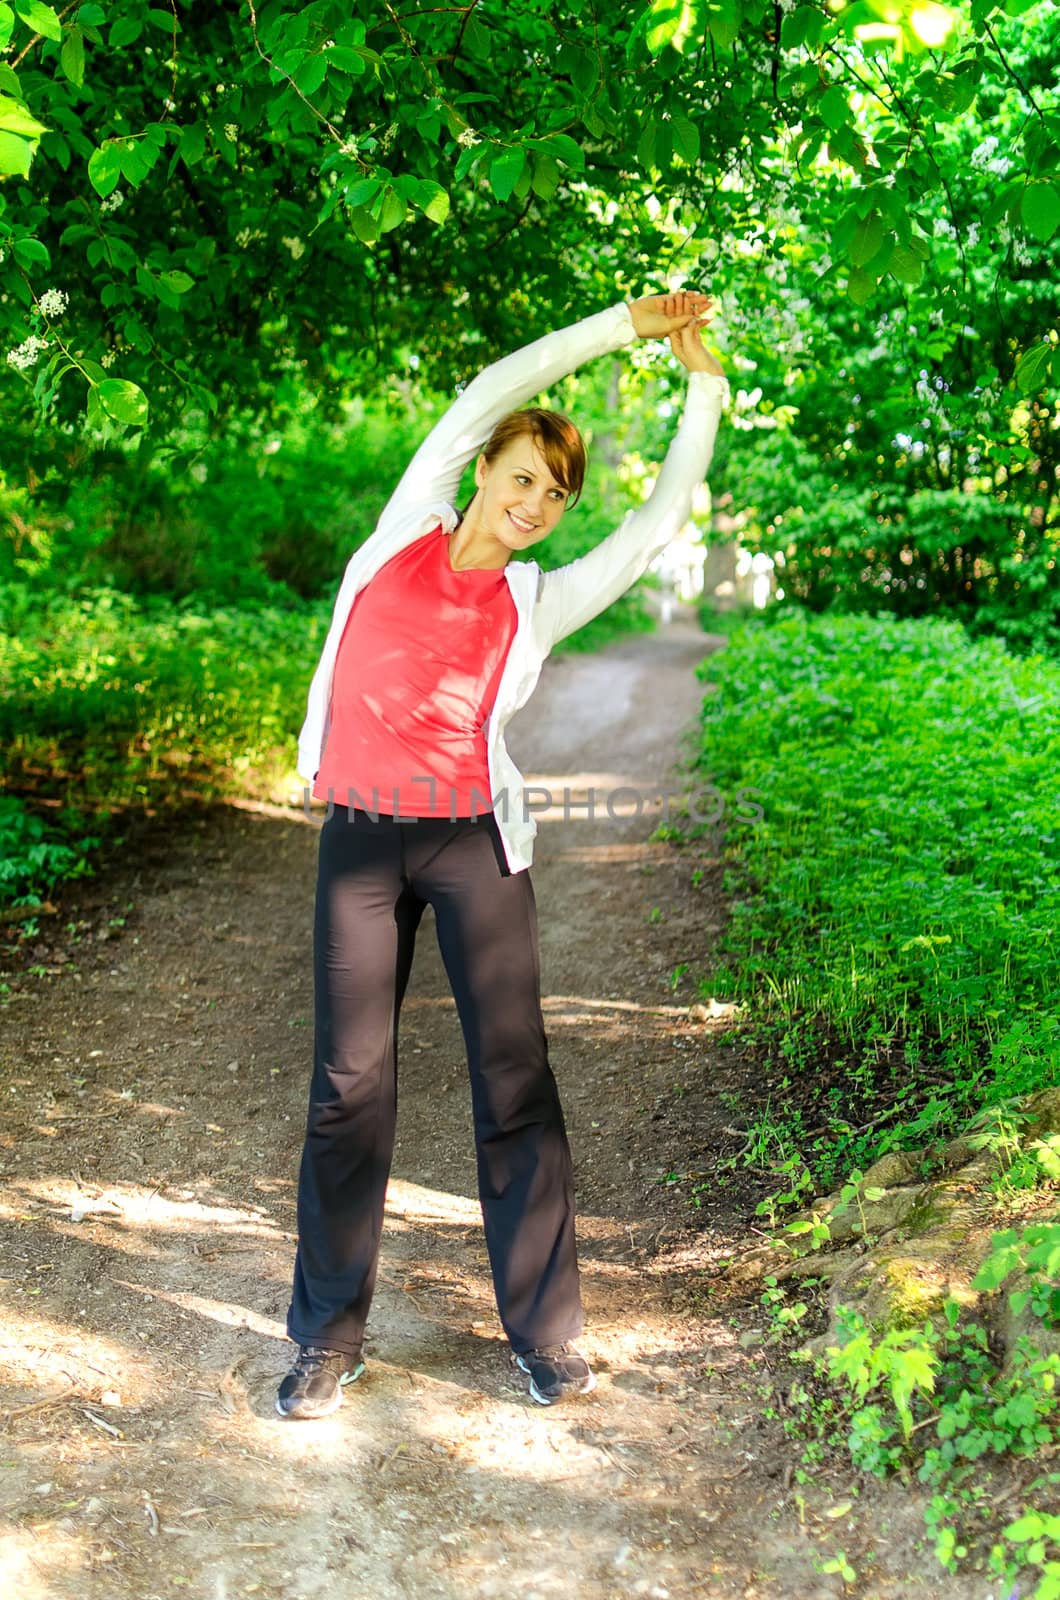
column 435, row 470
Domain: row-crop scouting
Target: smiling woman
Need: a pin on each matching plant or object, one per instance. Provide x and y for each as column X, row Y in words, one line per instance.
column 438, row 638
column 531, row 470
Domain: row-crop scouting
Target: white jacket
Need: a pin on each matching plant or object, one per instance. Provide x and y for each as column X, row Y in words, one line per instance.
column 549, row 605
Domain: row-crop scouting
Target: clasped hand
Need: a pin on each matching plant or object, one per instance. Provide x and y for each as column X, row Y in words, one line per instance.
column 680, row 317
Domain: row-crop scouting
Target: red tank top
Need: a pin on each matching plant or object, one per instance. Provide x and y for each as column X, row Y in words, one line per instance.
column 416, row 675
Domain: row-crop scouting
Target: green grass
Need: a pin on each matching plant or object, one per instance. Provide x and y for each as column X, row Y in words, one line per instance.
column 900, row 894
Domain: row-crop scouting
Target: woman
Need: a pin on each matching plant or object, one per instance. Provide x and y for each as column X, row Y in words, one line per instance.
column 405, row 724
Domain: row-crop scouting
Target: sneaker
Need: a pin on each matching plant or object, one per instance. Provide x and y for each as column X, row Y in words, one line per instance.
column 314, row 1385
column 556, row 1372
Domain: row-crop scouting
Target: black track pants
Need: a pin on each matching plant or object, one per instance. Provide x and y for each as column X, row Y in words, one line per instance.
column 375, row 878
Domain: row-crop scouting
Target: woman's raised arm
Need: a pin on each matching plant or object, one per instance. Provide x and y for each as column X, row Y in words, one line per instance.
column 573, row 594
column 435, row 470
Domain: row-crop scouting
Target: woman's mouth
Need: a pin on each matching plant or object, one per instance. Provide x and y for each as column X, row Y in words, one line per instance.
column 520, row 523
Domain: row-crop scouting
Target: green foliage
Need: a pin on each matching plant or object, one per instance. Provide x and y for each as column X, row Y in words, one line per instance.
column 1033, row 1252
column 934, row 1402
column 35, row 856
column 905, row 868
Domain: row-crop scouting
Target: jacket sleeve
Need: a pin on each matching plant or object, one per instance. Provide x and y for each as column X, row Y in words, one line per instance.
column 571, row 595
column 435, row 470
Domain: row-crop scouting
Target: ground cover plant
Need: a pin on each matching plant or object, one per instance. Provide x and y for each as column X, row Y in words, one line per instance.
column 894, row 908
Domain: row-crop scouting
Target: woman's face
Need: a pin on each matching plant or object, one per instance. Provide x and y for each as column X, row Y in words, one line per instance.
column 520, row 501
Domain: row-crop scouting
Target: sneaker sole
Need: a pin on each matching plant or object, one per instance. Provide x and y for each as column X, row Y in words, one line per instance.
column 314, row 1416
column 543, row 1400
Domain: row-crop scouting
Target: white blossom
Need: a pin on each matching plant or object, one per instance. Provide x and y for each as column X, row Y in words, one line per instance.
column 468, row 138
column 295, row 246
column 348, row 148
column 108, row 358
column 25, row 355
column 53, row 302
column 231, row 132
column 982, row 152
column 113, row 201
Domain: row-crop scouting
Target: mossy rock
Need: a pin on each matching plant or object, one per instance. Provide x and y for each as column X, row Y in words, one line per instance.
column 1044, row 1107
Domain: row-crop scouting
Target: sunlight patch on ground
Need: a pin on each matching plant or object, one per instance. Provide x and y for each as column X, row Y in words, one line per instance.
column 138, row 1206
column 28, row 1563
column 551, row 1002
column 226, row 1312
column 414, row 1203
column 40, row 1353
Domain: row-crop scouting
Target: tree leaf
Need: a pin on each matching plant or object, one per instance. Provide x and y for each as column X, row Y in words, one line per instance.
column 124, row 401
column 125, row 30
column 868, row 237
column 506, row 170
column 1040, row 210
column 1030, row 375
column 17, row 118
column 670, row 22
column 685, row 136
column 803, row 25
column 393, row 211
column 104, row 169
column 546, row 177
column 40, row 18
column 72, row 56
column 177, row 282
column 906, row 265
column 30, row 253
column 834, row 108
column 432, row 200
column 7, row 24
column 860, row 285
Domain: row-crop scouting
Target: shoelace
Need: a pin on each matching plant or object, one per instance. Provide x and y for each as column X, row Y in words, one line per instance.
column 312, row 1358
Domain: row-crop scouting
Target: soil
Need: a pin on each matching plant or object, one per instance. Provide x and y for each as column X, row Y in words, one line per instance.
column 155, row 1062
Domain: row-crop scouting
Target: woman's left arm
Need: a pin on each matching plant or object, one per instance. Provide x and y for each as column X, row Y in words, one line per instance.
column 573, row 594
column 435, row 470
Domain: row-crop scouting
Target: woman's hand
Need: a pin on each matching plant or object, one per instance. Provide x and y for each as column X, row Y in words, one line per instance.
column 656, row 316
column 687, row 345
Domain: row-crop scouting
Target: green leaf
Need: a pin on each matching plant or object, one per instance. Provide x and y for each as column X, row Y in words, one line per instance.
column 567, row 150
column 506, row 170
column 906, row 265
column 90, row 15
column 685, row 139
column 1040, row 210
column 193, row 143
column 72, row 56
column 868, row 236
column 30, row 253
column 40, row 18
column 15, row 155
column 803, row 25
column 17, row 118
column 177, row 282
column 131, row 161
column 364, row 225
column 722, row 22
column 393, row 212
column 546, row 177
column 7, row 25
column 123, row 401
column 834, row 108
column 125, row 30
column 860, row 285
column 1030, row 375
column 670, row 22
column 166, row 20
column 363, row 191
column 312, row 72
column 349, row 61
column 432, row 200
column 104, row 169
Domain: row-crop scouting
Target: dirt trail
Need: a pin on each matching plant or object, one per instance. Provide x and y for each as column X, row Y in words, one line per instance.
column 149, row 1150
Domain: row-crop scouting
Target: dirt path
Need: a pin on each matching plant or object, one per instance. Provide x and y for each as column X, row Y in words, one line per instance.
column 149, row 1148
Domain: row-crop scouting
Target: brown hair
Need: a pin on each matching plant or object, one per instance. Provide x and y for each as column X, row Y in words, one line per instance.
column 555, row 436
